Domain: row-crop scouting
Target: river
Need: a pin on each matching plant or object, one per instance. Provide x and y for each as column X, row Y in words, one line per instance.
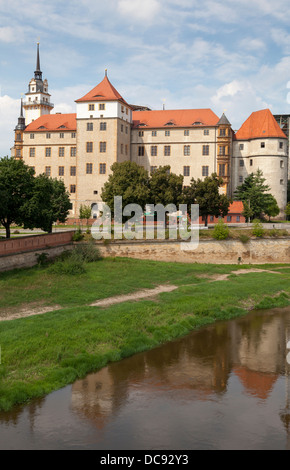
column 222, row 387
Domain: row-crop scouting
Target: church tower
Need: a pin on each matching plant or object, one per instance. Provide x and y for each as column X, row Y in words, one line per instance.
column 37, row 100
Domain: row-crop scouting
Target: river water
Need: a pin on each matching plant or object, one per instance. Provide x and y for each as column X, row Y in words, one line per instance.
column 226, row 387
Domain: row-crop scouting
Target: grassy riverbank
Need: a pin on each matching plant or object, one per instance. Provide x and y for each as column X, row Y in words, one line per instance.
column 42, row 353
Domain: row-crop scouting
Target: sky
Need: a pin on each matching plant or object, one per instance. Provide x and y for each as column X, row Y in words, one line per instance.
column 232, row 56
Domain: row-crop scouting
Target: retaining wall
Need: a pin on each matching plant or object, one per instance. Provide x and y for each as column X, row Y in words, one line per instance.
column 256, row 251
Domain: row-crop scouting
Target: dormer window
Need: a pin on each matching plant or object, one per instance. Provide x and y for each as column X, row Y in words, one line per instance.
column 170, row 123
column 197, row 123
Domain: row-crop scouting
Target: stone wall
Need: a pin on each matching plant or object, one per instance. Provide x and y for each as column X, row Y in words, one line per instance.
column 35, row 242
column 256, row 251
column 30, row 258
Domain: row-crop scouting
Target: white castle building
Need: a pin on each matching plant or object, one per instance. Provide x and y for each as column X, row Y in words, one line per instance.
column 81, row 147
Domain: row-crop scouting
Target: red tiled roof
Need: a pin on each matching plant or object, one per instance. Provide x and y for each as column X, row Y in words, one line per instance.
column 53, row 122
column 256, row 383
column 174, row 118
column 236, row 207
column 259, row 125
column 104, row 91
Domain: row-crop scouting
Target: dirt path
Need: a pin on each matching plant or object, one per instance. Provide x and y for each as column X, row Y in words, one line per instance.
column 31, row 310
column 140, row 294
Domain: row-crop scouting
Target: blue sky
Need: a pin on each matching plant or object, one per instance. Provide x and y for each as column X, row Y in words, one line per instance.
column 232, row 55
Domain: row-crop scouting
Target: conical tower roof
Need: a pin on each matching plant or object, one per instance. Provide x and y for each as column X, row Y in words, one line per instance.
column 260, row 124
column 224, row 121
column 104, row 91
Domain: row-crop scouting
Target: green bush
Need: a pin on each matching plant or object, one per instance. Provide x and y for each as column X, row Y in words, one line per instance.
column 257, row 230
column 71, row 265
column 87, row 252
column 244, row 238
column 221, row 230
column 78, row 236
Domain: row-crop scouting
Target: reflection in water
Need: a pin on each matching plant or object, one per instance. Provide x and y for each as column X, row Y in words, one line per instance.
column 224, row 387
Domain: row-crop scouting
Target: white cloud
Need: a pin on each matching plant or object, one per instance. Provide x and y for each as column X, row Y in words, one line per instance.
column 9, row 112
column 139, row 10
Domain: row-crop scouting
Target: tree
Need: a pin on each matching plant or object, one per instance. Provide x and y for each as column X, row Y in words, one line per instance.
column 16, row 188
column 128, row 180
column 272, row 208
column 165, row 187
column 85, row 213
column 288, row 211
column 206, row 194
column 49, row 203
column 254, row 194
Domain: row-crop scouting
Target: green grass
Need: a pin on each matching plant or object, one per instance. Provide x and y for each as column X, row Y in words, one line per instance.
column 45, row 352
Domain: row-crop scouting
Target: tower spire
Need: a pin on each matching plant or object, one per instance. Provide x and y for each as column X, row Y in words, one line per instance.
column 38, row 73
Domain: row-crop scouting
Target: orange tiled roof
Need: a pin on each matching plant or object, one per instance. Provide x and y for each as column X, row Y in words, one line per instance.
column 256, row 383
column 53, row 122
column 104, row 91
column 236, row 207
column 259, row 125
column 174, row 118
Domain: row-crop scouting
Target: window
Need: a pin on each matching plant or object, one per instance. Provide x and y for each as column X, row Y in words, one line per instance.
column 73, row 135
column 61, row 171
column 153, row 169
column 222, row 170
column 73, row 170
column 48, row 152
column 206, row 132
column 103, row 147
column 91, row 107
column 241, row 179
column 18, row 152
column 251, row 162
column 48, row 135
column 31, row 136
column 141, row 151
column 238, row 218
column 126, row 130
column 122, row 148
column 103, row 126
column 282, row 182
column 73, row 151
column 222, row 151
column 126, row 149
column 72, row 188
column 122, row 127
column 154, row 151
column 186, row 150
column 186, row 171
column 262, row 145
column 141, row 133
column 242, row 163
column 102, row 106
column 89, row 169
column 167, row 150
column 205, row 150
column 32, row 152
column 90, row 126
column 205, row 171
column 154, row 133
column 122, row 109
column 281, row 145
column 48, row 170
column 241, row 146
column 167, row 133
column 61, row 151
column 222, row 132
column 89, row 147
column 102, row 168
column 281, row 164
column 61, row 135
column 211, row 218
column 186, row 132
column 229, row 218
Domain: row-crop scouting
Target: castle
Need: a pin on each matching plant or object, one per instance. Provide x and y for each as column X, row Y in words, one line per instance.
column 81, row 147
